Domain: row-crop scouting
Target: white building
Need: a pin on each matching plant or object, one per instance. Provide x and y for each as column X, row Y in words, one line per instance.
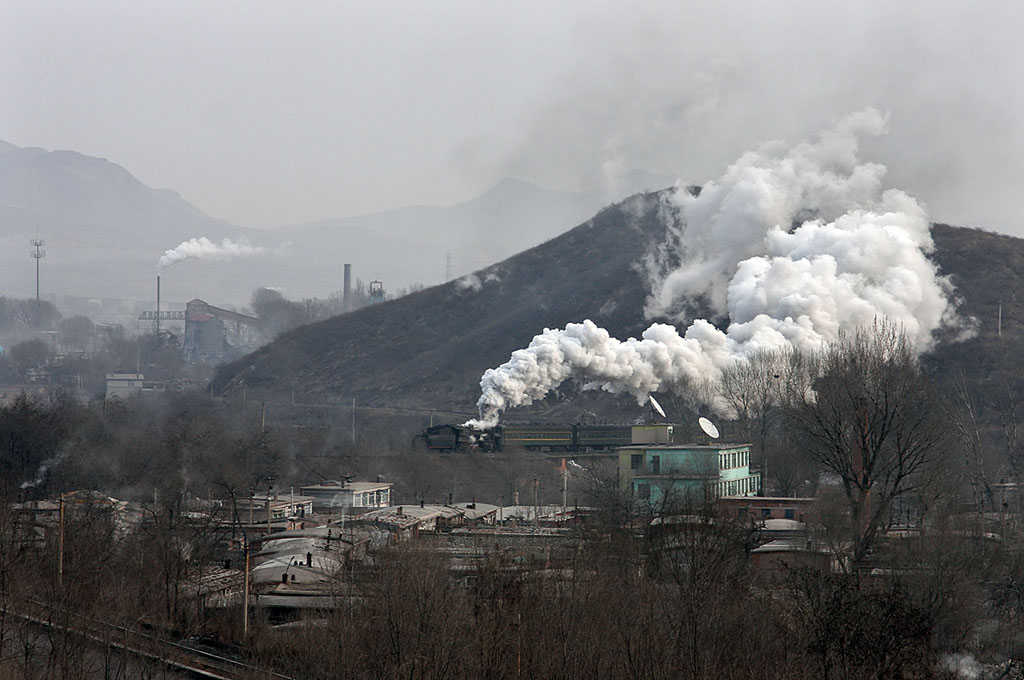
column 357, row 496
column 123, row 385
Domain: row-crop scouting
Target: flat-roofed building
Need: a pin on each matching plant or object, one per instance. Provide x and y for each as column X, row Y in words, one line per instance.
column 124, row 385
column 660, row 474
column 352, row 496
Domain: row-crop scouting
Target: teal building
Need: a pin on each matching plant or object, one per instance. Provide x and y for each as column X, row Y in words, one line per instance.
column 663, row 474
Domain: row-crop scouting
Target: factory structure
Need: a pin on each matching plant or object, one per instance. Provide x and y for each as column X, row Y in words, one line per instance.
column 212, row 335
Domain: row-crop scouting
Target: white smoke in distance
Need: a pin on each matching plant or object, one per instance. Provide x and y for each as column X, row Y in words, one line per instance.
column 794, row 244
column 203, row 248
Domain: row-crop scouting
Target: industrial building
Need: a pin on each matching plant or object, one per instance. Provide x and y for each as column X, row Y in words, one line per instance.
column 660, row 473
column 212, row 333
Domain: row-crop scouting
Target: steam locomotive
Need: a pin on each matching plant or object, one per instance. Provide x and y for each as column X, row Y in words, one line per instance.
column 551, row 438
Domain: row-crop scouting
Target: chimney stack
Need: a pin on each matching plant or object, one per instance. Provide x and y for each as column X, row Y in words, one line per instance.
column 346, row 300
column 158, row 308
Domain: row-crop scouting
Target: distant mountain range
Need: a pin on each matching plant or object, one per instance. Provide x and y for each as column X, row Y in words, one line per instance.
column 105, row 230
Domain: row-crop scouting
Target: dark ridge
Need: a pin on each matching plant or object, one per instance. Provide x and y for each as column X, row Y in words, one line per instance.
column 429, row 349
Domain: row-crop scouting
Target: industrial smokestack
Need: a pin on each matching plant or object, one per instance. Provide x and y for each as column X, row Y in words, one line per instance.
column 158, row 307
column 346, row 300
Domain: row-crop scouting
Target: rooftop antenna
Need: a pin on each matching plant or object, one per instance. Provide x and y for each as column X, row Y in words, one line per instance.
column 656, row 406
column 708, row 427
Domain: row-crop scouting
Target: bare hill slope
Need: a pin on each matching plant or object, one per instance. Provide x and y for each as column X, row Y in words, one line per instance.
column 428, row 350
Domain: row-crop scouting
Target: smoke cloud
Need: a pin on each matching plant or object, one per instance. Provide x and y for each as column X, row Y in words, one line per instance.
column 203, row 248
column 794, row 245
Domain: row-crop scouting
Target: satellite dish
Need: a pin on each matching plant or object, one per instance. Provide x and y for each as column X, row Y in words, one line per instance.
column 708, row 427
column 656, row 406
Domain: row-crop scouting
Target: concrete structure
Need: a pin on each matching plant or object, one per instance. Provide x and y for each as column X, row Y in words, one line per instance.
column 767, row 507
column 351, row 496
column 124, row 385
column 776, row 558
column 282, row 507
column 669, row 474
column 652, row 433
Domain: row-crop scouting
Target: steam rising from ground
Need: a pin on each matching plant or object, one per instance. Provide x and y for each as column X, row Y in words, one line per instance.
column 203, row 248
column 794, row 244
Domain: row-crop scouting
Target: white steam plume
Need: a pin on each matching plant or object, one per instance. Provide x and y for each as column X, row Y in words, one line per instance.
column 795, row 245
column 203, row 248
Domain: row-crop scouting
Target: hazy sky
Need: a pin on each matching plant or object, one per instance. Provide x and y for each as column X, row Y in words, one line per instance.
column 272, row 113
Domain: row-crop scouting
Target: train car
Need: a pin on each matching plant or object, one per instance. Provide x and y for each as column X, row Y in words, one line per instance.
column 552, row 438
column 602, row 437
column 538, row 437
column 445, row 438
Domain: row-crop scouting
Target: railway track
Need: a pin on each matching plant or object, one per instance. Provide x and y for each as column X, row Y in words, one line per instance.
column 188, row 660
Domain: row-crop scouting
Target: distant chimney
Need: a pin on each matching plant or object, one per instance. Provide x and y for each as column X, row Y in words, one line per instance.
column 157, row 309
column 346, row 300
column 309, row 559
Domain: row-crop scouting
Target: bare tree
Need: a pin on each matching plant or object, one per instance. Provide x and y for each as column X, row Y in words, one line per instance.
column 752, row 390
column 873, row 421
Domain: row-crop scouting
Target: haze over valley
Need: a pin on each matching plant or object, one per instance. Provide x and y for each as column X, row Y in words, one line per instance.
column 552, row 340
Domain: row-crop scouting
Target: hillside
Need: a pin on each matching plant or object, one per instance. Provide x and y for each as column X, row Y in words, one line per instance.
column 428, row 350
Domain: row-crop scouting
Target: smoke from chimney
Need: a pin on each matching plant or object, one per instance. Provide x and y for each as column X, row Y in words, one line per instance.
column 795, row 245
column 203, row 248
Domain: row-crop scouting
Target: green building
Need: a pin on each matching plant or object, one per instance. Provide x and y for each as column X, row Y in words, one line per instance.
column 660, row 473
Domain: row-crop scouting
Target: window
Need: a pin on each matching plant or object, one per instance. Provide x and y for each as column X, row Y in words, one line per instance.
column 643, row 491
column 766, row 513
column 655, row 465
column 636, row 461
column 741, row 512
column 789, row 513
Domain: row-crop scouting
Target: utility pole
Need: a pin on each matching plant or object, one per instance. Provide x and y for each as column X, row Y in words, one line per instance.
column 37, row 255
column 270, row 485
column 245, row 616
column 565, row 489
column 536, row 503
column 60, row 543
